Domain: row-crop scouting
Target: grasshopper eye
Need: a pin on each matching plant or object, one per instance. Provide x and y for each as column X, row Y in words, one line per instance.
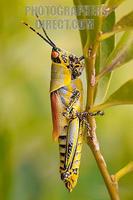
column 54, row 54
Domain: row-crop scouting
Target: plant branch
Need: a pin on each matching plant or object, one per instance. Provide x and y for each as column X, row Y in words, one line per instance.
column 125, row 170
column 92, row 140
column 111, row 184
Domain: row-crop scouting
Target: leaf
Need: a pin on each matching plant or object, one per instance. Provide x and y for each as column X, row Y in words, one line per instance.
column 106, row 48
column 88, row 36
column 124, row 95
column 108, row 45
column 124, row 24
column 113, row 4
column 122, row 54
column 83, row 33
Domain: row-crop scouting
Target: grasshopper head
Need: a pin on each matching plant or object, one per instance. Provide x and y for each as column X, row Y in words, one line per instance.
column 70, row 179
column 68, row 59
column 60, row 56
column 55, row 55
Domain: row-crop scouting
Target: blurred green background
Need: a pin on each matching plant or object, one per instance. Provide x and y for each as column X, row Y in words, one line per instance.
column 28, row 156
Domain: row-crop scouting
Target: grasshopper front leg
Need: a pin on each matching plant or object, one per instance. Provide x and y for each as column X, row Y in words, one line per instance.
column 73, row 100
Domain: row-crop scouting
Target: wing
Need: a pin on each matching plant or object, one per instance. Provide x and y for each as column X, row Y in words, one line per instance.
column 72, row 141
column 59, row 122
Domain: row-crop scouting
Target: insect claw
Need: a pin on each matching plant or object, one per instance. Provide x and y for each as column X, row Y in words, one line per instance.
column 100, row 112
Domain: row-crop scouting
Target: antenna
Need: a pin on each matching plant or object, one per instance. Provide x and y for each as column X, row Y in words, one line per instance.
column 45, row 31
column 46, row 40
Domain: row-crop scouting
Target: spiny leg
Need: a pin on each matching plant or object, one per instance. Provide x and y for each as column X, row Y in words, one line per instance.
column 74, row 98
column 76, row 65
column 81, row 58
column 77, row 69
column 69, row 108
column 83, row 117
column 70, row 113
column 87, row 125
column 98, row 113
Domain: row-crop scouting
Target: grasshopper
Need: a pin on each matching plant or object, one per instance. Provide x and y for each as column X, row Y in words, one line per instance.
column 66, row 93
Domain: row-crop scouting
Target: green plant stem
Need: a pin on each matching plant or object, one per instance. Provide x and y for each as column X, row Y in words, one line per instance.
column 122, row 172
column 92, row 138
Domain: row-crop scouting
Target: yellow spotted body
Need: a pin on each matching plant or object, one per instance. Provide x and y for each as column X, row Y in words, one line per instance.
column 70, row 131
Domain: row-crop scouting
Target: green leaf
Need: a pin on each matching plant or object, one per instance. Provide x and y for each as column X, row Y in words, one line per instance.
column 108, row 45
column 124, row 95
column 106, row 48
column 124, row 24
column 83, row 33
column 88, row 36
column 122, row 54
column 113, row 4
